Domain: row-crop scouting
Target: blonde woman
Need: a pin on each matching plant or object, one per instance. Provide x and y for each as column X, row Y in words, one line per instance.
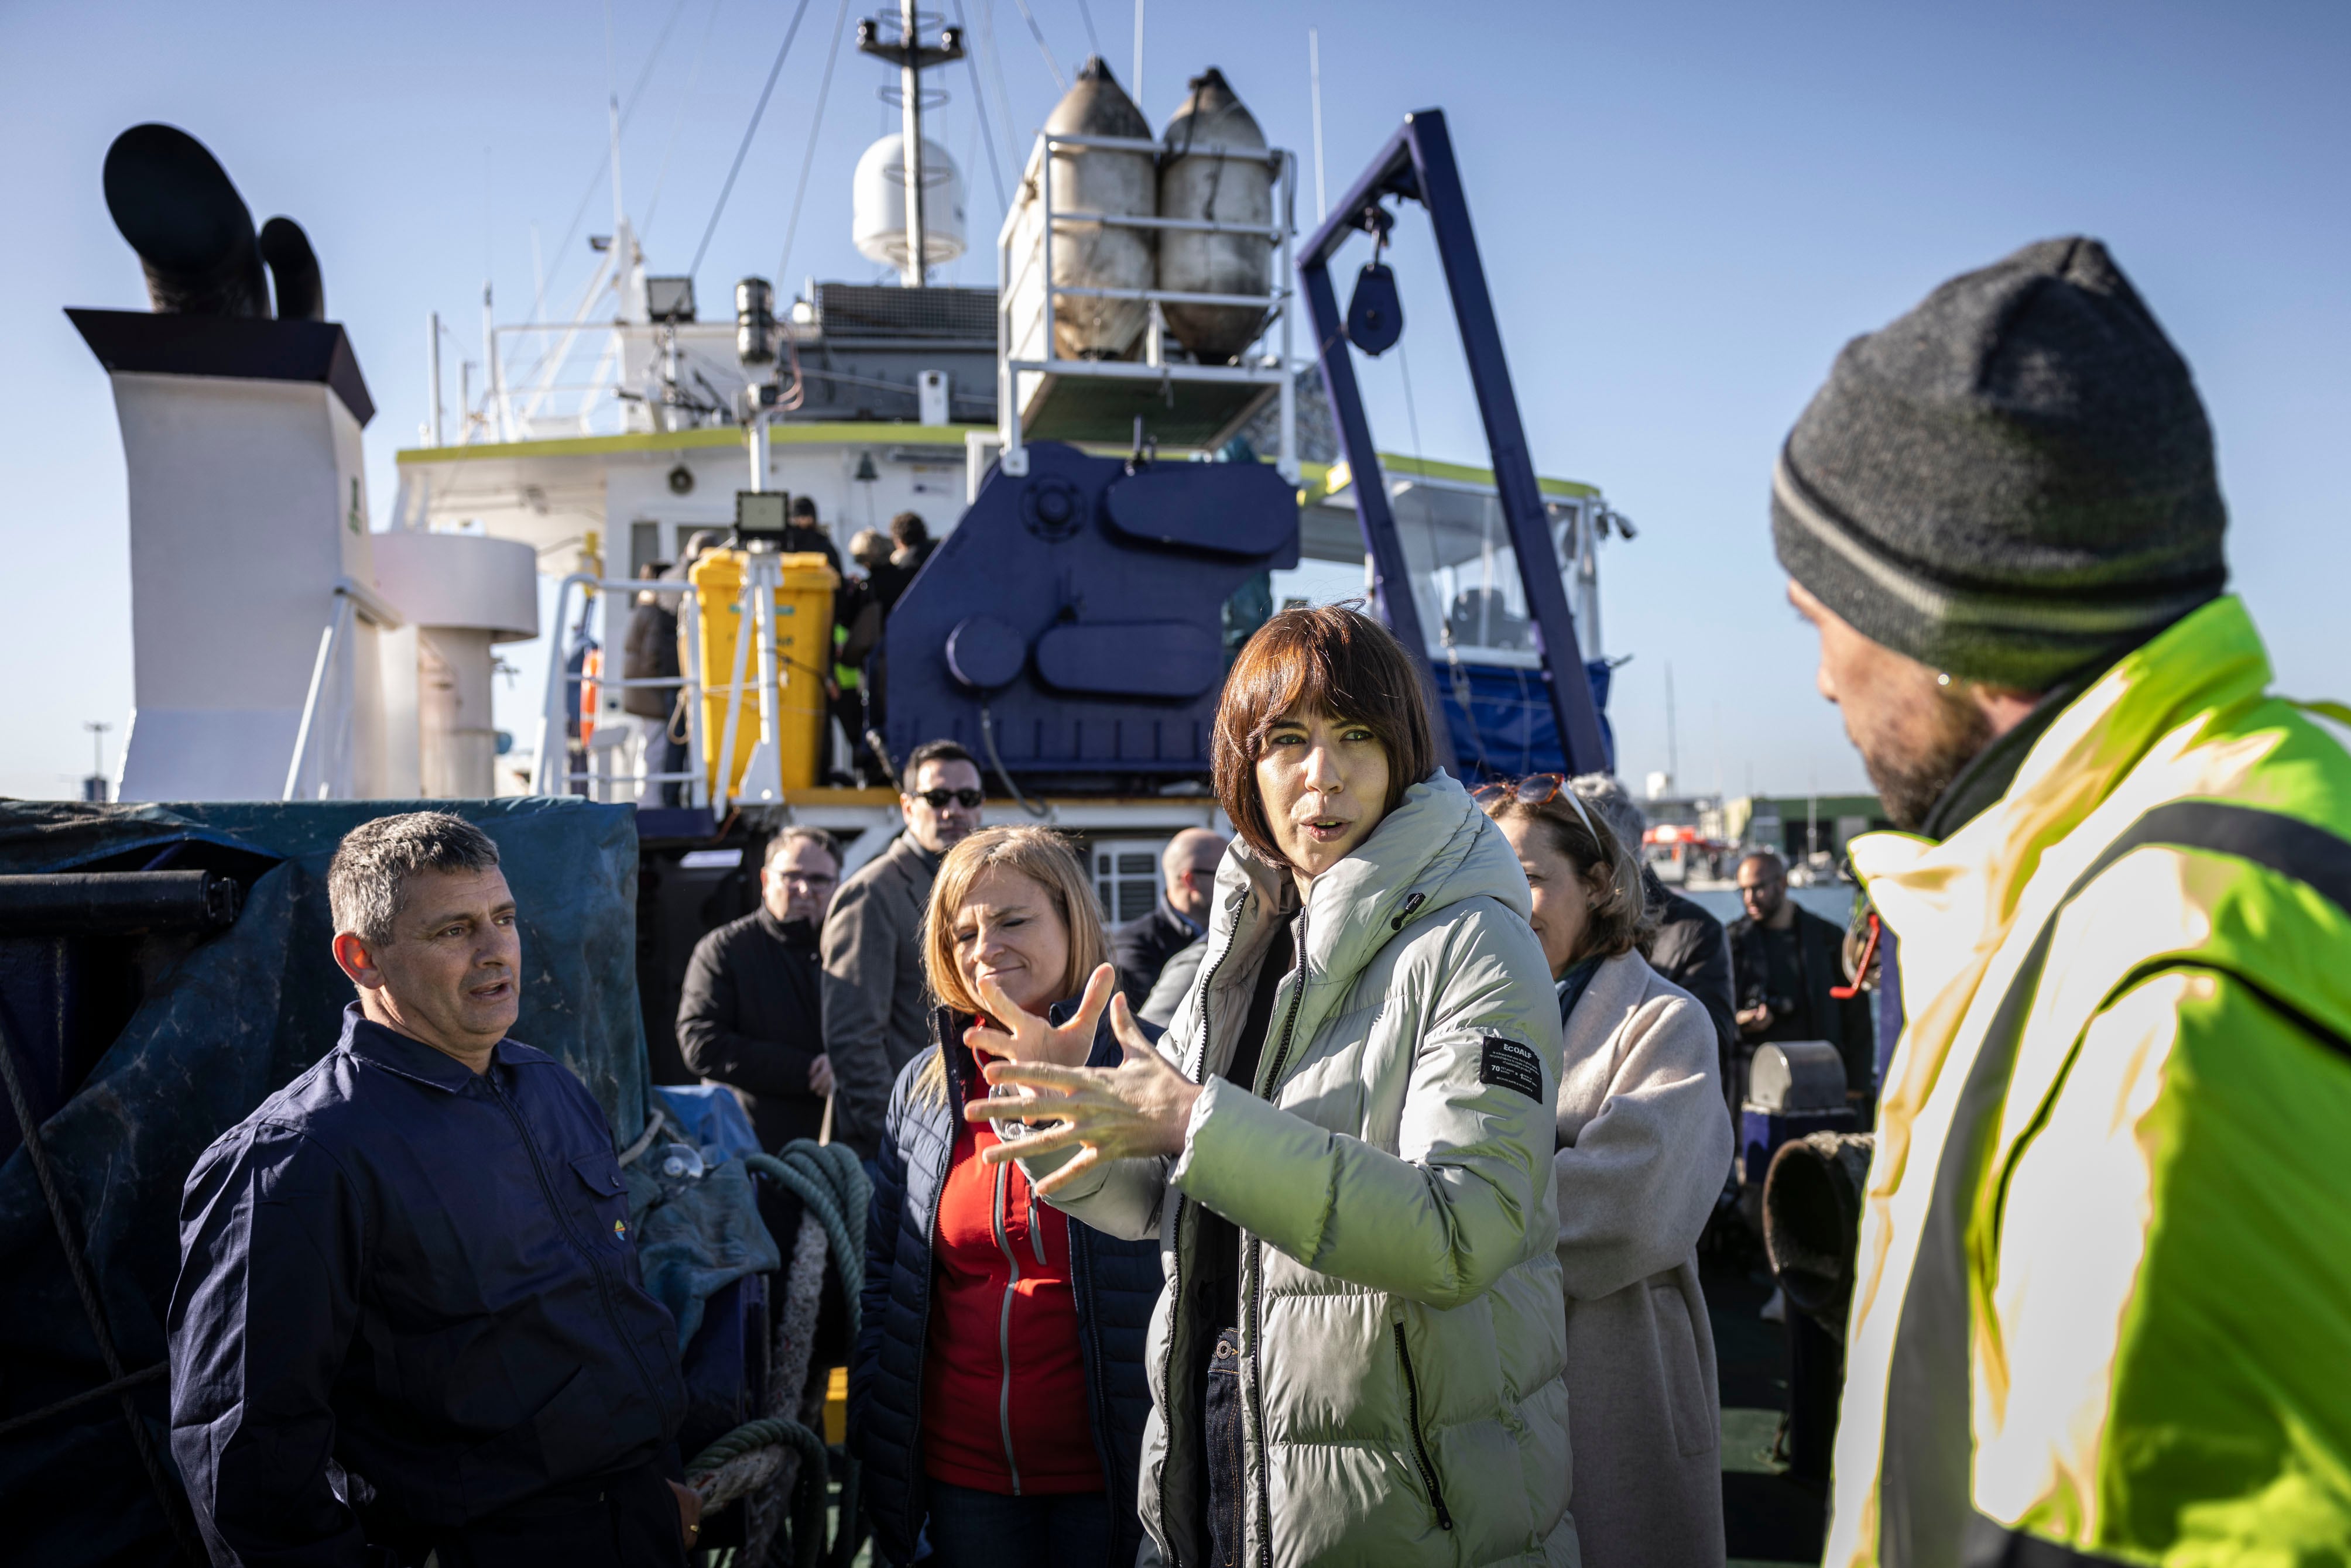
column 1642, row 1148
column 997, row 1395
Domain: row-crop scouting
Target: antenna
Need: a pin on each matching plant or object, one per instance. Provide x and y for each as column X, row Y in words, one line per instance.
column 1136, row 80
column 1718, row 754
column 432, row 360
column 1673, row 740
column 620, row 215
column 1314, row 86
column 491, row 402
column 911, row 58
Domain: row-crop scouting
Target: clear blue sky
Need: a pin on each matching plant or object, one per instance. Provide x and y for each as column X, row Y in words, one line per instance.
column 1684, row 209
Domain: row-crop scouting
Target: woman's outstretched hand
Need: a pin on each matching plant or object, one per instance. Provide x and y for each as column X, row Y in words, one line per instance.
column 1140, row 1107
column 1012, row 1033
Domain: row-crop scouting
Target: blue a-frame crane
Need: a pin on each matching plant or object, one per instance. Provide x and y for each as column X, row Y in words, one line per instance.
column 1418, row 164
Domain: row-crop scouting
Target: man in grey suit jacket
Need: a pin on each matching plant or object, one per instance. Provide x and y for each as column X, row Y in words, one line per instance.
column 876, row 1007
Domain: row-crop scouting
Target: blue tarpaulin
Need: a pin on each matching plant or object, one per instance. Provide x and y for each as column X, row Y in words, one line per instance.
column 1501, row 720
column 216, row 1027
column 697, row 1227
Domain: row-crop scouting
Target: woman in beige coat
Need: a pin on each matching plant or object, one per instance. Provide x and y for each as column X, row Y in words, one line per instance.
column 1643, row 1146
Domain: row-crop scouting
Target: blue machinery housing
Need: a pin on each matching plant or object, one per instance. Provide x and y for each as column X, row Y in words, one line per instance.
column 1072, row 629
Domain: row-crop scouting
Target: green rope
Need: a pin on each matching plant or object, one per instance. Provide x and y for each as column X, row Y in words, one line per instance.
column 807, row 1490
column 830, row 1183
column 764, row 1433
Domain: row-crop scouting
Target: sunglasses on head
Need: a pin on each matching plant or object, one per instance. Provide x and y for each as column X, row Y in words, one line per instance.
column 1535, row 791
column 938, row 799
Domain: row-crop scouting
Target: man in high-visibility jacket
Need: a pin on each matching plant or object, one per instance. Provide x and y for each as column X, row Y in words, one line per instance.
column 2102, row 1309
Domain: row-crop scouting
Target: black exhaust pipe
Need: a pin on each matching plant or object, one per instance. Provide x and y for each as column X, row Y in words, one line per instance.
column 193, row 234
column 294, row 268
column 97, row 903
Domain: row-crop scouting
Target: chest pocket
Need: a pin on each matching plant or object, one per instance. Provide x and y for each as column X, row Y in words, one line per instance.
column 605, row 1196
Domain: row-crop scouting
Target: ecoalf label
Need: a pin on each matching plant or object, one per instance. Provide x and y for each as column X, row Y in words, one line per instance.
column 1507, row 1064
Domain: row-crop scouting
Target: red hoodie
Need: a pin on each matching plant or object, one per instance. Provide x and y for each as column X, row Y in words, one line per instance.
column 1004, row 1391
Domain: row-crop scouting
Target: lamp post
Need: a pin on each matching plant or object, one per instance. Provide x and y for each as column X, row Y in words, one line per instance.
column 94, row 788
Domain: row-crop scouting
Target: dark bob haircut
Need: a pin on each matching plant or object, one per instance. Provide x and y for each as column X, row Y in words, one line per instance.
column 1327, row 659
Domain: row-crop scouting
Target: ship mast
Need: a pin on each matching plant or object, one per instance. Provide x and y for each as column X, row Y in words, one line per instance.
column 911, row 57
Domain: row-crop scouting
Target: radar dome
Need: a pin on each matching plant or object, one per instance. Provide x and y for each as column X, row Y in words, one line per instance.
column 878, row 201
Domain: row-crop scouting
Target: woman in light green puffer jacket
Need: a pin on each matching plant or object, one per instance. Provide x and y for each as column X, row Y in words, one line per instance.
column 1386, row 1169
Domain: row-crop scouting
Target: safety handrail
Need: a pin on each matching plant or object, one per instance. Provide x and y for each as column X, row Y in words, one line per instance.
column 349, row 597
column 1186, row 225
column 548, row 776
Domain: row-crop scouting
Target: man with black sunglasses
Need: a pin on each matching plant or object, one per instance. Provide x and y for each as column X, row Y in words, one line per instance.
column 876, row 1011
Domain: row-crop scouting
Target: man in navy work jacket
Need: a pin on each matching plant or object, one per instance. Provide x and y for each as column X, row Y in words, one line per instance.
column 409, row 1318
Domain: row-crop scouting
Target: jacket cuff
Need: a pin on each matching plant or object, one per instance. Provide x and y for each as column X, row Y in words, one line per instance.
column 1210, row 1091
column 1237, row 1153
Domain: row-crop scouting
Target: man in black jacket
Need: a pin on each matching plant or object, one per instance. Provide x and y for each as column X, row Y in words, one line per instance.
column 751, row 1014
column 803, row 534
column 1785, row 959
column 913, row 538
column 896, row 559
column 409, row 1315
column 1141, row 946
column 649, row 653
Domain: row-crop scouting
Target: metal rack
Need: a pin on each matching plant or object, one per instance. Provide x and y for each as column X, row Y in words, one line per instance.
column 1217, row 398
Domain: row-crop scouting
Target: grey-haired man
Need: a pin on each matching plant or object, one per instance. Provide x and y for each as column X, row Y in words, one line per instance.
column 409, row 1318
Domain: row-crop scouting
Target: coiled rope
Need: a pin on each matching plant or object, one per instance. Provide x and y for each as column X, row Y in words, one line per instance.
column 829, row 1180
column 831, row 1184
column 750, row 1441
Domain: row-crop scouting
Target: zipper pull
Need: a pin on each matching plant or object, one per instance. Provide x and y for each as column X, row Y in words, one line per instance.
column 1415, row 902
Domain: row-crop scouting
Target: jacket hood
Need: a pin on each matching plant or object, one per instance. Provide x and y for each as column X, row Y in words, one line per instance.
column 1434, row 850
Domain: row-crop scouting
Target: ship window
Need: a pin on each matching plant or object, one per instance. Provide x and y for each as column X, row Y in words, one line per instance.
column 1465, row 575
column 644, row 547
column 1126, row 877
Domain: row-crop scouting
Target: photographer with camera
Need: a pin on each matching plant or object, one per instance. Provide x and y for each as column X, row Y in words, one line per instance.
column 1784, row 961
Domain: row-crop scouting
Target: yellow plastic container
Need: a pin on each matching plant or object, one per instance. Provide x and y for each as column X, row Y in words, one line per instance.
column 803, row 646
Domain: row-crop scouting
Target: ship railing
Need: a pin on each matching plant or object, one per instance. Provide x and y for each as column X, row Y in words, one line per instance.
column 551, row 773
column 550, row 403
column 750, row 701
column 1014, row 275
column 351, row 598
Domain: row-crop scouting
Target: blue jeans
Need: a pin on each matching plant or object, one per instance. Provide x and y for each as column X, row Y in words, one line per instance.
column 972, row 1528
column 1227, row 1455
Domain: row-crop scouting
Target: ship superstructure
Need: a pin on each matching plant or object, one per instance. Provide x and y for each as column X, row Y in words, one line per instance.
column 1146, row 312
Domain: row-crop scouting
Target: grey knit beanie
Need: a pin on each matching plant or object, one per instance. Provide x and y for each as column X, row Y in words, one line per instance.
column 2011, row 481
